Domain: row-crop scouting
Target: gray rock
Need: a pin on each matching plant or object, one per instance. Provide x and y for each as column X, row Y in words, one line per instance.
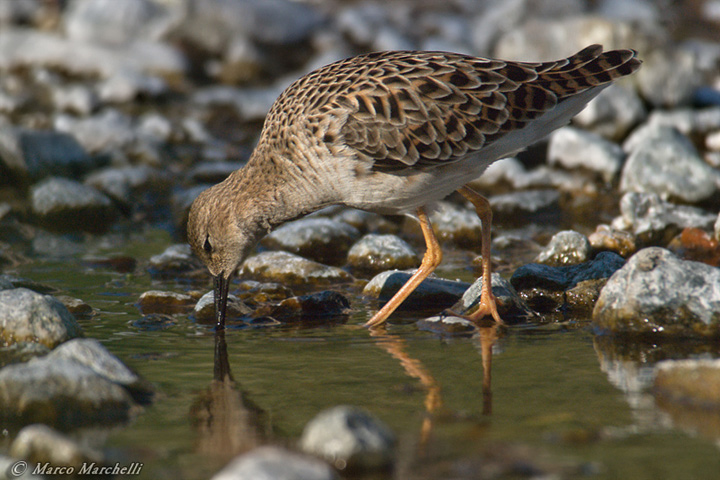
column 664, row 161
column 630, row 10
column 447, row 323
column 320, row 239
column 34, row 154
column 519, row 205
column 41, row 444
column 366, row 221
column 130, row 185
column 284, row 267
column 275, row 463
column 376, row 253
column 613, row 113
column 313, row 308
column 13, row 468
column 435, row 293
column 204, row 309
column 654, row 221
column 66, row 205
column 566, row 248
column 159, row 301
column 78, row 99
column 61, row 392
column 574, row 148
column 510, row 306
column 108, row 21
column 19, row 11
column 658, row 294
column 688, row 121
column 457, row 224
column 669, row 78
column 349, row 437
column 175, row 260
column 251, row 104
column 27, row 316
column 126, row 85
column 27, row 48
column 107, row 131
column 534, row 275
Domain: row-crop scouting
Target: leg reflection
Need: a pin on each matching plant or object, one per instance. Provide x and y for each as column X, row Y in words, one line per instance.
column 486, row 337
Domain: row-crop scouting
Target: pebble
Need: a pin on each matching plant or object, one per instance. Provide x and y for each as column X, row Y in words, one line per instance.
column 131, row 186
column 108, row 130
column 42, row 444
column 654, row 221
column 375, row 253
column 204, row 310
column 613, row 113
column 657, row 294
column 313, row 308
column 516, row 207
column 574, row 148
column 320, row 239
column 693, row 383
column 664, row 161
column 62, row 204
column 432, row 293
column 349, row 438
column 127, row 85
column 175, row 260
column 77, row 99
column 547, row 289
column 567, row 247
column 157, row 301
column 669, row 77
column 28, row 316
column 511, row 307
column 691, row 122
column 29, row 155
column 275, row 463
column 612, row 239
column 287, row 268
column 455, row 223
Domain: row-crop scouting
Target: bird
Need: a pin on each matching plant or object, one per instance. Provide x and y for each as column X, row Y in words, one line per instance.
column 392, row 132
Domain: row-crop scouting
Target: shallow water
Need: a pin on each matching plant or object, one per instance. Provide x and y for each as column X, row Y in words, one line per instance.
column 555, row 406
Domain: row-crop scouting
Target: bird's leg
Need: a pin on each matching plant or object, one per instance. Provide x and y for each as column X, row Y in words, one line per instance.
column 431, row 259
column 488, row 304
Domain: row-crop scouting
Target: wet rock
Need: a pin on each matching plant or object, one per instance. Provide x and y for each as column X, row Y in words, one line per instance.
column 41, row 444
column 611, row 239
column 28, row 316
column 213, row 172
column 654, row 221
column 457, row 224
column 156, row 301
column 33, row 154
column 502, row 173
column 516, row 206
column 613, row 113
column 76, row 306
column 66, row 205
column 366, row 221
column 574, row 148
column 274, row 463
column 315, row 307
column 663, row 161
column 565, row 248
column 204, row 310
column 691, row 383
column 349, row 438
column 107, row 21
column 26, row 48
column 669, row 77
column 176, row 260
column 284, row 267
column 658, row 294
column 61, row 392
column 697, row 245
column 130, row 185
column 446, row 323
column 376, row 253
column 258, row 293
column 432, row 293
column 320, row 239
column 545, row 288
column 510, row 306
column 107, row 131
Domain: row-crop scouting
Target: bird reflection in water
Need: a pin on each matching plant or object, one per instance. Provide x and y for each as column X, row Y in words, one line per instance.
column 227, row 422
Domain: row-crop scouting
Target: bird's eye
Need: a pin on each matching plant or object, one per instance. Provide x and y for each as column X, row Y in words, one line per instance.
column 207, row 246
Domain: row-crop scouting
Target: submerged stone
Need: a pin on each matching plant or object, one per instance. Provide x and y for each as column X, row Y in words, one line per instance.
column 692, row 382
column 314, row 307
column 275, row 463
column 377, row 253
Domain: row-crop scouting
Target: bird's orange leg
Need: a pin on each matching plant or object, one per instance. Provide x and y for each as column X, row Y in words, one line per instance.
column 488, row 304
column 431, row 259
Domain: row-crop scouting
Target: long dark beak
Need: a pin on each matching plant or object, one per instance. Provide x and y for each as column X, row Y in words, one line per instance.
column 220, row 295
